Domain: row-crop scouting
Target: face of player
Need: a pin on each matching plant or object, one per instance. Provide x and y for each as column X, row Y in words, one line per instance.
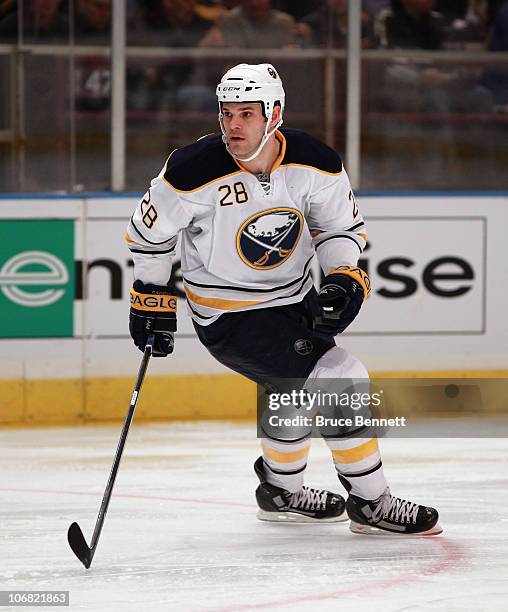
column 244, row 125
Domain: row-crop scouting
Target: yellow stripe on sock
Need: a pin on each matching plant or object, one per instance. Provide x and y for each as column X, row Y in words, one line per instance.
column 351, row 455
column 282, row 457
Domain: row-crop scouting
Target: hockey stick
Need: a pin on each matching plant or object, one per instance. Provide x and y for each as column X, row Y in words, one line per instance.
column 75, row 536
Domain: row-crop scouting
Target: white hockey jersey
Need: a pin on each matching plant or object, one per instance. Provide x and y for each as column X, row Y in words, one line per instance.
column 246, row 243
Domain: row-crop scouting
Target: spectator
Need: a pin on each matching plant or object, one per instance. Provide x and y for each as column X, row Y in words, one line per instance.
column 327, row 27
column 45, row 119
column 6, row 7
column 93, row 72
column 422, row 89
column 181, row 85
column 456, row 9
column 299, row 9
column 43, row 20
column 410, row 24
column 373, row 7
column 466, row 21
column 252, row 24
column 93, row 22
column 145, row 87
column 211, row 10
column 170, row 23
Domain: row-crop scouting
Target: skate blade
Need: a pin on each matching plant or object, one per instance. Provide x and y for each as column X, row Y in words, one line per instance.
column 376, row 531
column 296, row 518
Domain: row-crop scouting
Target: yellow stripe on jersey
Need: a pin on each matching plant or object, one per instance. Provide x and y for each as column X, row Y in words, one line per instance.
column 352, row 455
column 219, row 178
column 219, row 303
column 280, row 137
column 282, row 457
column 311, row 168
column 130, row 240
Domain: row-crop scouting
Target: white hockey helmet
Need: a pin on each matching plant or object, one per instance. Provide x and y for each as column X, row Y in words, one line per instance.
column 252, row 83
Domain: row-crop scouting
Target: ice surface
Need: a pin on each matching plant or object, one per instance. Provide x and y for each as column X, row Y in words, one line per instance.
column 181, row 532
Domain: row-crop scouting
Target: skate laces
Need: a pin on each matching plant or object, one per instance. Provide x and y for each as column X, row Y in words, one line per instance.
column 309, row 499
column 396, row 509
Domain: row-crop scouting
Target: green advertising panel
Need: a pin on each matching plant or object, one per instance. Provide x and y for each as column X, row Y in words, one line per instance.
column 36, row 278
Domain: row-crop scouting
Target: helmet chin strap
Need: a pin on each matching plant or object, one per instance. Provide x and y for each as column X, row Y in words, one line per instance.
column 262, row 143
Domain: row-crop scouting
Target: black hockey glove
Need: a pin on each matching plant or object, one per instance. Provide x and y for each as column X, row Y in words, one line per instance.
column 153, row 311
column 341, row 296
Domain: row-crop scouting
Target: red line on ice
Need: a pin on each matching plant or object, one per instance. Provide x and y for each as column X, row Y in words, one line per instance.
column 128, row 495
column 453, row 555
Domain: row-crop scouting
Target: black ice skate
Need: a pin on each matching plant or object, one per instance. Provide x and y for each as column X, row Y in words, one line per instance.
column 305, row 506
column 389, row 515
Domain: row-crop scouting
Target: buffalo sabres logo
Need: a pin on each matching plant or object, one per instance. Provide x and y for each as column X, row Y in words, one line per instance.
column 267, row 239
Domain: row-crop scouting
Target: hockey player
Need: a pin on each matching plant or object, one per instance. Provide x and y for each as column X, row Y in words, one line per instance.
column 253, row 206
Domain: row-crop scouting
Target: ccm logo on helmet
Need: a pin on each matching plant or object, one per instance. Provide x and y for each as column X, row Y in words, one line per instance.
column 159, row 303
column 231, row 89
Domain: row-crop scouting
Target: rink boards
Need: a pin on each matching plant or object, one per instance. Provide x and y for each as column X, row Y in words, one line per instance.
column 438, row 304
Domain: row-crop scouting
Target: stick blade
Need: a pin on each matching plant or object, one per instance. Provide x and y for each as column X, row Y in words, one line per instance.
column 78, row 544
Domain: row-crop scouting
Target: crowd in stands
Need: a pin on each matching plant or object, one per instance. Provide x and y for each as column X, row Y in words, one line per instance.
column 425, row 24
column 263, row 24
column 451, row 115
